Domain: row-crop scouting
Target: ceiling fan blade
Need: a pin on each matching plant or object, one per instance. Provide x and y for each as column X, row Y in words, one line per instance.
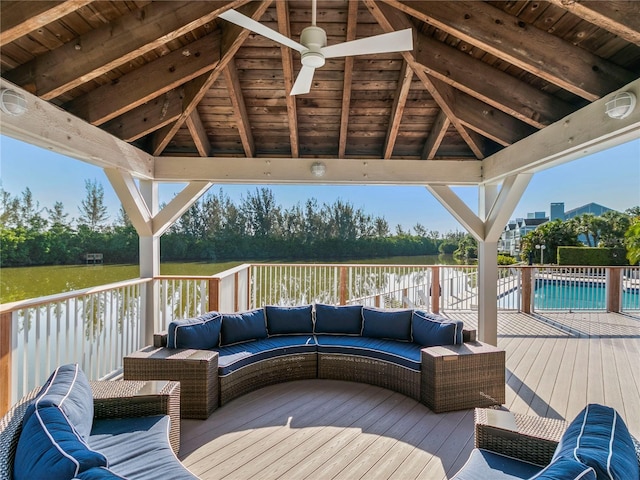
column 243, row 21
column 303, row 82
column 399, row 41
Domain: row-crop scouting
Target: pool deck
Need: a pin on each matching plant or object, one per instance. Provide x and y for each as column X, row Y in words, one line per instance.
column 324, row 429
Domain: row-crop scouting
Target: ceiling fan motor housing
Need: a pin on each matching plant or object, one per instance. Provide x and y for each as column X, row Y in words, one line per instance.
column 313, row 38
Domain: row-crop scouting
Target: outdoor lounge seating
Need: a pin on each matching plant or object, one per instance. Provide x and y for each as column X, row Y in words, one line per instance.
column 73, row 428
column 509, row 446
column 218, row 357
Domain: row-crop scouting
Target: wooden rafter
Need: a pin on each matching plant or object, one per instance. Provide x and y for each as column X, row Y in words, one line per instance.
column 114, row 44
column 148, row 82
column 198, row 133
column 18, row 18
column 232, row 38
column 536, row 51
column 435, row 137
column 620, row 18
column 282, row 10
column 352, row 23
column 402, row 92
column 239, row 108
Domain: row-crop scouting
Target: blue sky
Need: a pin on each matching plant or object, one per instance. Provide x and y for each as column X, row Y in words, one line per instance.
column 610, row 178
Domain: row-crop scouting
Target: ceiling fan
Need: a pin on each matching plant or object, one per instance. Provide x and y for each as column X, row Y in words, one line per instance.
column 313, row 45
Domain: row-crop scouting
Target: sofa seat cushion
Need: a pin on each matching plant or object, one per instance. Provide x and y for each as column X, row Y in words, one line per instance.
column 598, row 437
column 234, row 357
column 566, row 469
column 99, row 473
column 404, row 354
column 487, row 465
column 138, row 447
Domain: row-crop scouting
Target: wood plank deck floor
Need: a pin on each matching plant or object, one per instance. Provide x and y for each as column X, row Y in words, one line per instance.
column 325, row 429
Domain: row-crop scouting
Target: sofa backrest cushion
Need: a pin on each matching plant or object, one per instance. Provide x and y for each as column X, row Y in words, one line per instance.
column 429, row 330
column 386, row 323
column 599, row 438
column 566, row 469
column 289, row 320
column 338, row 319
column 201, row 333
column 68, row 389
column 243, row 327
column 49, row 447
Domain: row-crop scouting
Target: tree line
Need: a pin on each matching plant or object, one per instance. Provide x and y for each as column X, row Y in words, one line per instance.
column 214, row 228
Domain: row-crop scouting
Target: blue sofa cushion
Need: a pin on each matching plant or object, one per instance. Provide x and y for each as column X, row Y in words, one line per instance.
column 201, row 333
column 99, row 473
column 68, row 389
column 487, row 465
column 338, row 320
column 385, row 323
column 243, row 327
column 234, row 357
column 566, row 469
column 289, row 320
column 138, row 447
column 598, row 437
column 405, row 354
column 430, row 330
column 49, row 447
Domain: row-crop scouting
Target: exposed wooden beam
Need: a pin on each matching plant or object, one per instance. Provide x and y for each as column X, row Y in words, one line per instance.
column 50, row 127
column 131, row 199
column 504, row 205
column 198, row 133
column 436, row 135
column 582, row 133
column 178, row 205
column 123, row 40
column 239, row 108
column 232, row 38
column 148, row 82
column 339, row 171
column 456, row 207
column 282, row 11
column 402, row 92
column 622, row 18
column 18, row 18
column 488, row 84
column 536, row 51
column 352, row 24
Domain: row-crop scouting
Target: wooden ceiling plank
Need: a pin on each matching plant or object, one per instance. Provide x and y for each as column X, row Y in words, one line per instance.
column 536, row 51
column 621, row 18
column 436, row 135
column 121, row 41
column 282, row 11
column 199, row 133
column 402, row 92
column 148, row 82
column 19, row 18
column 195, row 90
column 239, row 108
column 352, row 25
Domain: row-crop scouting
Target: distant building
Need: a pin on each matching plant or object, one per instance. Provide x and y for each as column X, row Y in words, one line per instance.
column 514, row 230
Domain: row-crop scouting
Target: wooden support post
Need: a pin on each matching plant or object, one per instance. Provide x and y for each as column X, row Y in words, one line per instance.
column 214, row 294
column 5, row 362
column 435, row 289
column 343, row 285
column 527, row 289
column 613, row 283
column 376, row 301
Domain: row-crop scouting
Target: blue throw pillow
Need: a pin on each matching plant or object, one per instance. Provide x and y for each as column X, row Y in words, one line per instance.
column 427, row 330
column 338, row 320
column 566, row 469
column 287, row 320
column 243, row 327
column 384, row 323
column 201, row 333
column 49, row 447
column 68, row 389
column 598, row 437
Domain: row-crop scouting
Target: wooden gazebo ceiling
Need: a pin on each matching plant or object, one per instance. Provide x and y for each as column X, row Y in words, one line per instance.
column 174, row 80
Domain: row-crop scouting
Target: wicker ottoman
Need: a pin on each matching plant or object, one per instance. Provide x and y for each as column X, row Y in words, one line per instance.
column 456, row 377
column 196, row 370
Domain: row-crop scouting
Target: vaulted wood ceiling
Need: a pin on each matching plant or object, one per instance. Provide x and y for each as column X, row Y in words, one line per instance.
column 173, row 79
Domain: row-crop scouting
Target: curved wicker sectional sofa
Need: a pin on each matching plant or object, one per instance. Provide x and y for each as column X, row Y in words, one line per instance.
column 218, row 357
